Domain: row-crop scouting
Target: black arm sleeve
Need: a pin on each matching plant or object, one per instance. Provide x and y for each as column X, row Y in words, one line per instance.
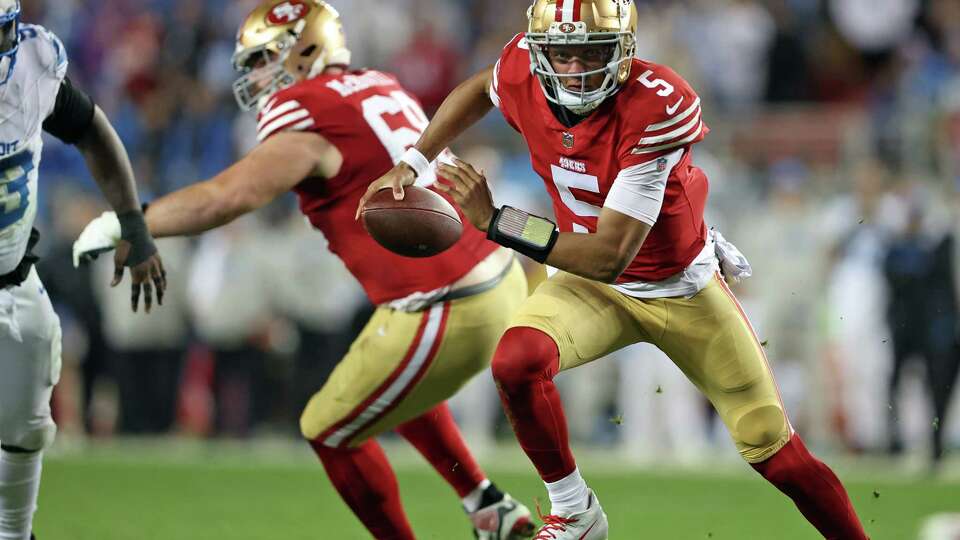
column 72, row 115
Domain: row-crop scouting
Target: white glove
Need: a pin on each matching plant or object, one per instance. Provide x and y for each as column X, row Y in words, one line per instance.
column 99, row 236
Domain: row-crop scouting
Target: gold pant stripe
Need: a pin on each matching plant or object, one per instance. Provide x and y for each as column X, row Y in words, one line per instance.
column 399, row 384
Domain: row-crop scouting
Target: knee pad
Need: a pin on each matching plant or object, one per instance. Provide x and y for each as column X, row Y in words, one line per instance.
column 32, row 439
column 761, row 431
column 525, row 355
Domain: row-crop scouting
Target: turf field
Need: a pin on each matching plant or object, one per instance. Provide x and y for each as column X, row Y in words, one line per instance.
column 148, row 491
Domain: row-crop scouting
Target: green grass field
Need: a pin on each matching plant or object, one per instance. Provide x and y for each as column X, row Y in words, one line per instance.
column 230, row 493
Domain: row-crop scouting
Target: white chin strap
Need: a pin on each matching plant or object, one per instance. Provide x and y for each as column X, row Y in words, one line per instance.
column 579, row 103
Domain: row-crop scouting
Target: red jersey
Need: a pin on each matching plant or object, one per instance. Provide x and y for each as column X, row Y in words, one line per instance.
column 372, row 120
column 655, row 113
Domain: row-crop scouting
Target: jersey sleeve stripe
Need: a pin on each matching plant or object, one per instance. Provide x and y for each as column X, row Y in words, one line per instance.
column 271, row 114
column 676, row 119
column 686, row 140
column 495, row 86
column 679, row 132
column 299, row 118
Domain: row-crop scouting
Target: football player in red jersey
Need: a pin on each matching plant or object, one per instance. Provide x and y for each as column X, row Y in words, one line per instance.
column 612, row 137
column 325, row 132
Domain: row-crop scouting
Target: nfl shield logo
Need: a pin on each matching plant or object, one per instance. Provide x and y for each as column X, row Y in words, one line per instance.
column 567, row 140
column 661, row 164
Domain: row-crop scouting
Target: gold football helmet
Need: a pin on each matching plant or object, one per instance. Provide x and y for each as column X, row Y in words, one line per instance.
column 282, row 42
column 582, row 22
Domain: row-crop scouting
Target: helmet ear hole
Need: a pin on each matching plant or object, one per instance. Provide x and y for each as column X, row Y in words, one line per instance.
column 309, row 51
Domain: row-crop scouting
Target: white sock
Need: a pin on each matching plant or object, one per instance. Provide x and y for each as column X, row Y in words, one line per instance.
column 471, row 503
column 568, row 496
column 19, row 486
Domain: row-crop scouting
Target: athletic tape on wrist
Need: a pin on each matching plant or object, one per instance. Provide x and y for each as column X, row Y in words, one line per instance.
column 133, row 229
column 416, row 160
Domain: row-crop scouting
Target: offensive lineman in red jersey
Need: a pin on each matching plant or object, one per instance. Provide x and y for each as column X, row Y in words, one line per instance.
column 324, row 133
column 612, row 138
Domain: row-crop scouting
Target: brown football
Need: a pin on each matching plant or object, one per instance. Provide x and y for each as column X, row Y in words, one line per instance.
column 423, row 224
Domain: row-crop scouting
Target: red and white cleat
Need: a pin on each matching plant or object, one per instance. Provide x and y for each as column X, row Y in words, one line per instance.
column 504, row 520
column 591, row 524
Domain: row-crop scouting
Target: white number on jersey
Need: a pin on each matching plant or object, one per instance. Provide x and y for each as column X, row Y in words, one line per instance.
column 564, row 180
column 656, row 83
column 14, row 188
column 396, row 141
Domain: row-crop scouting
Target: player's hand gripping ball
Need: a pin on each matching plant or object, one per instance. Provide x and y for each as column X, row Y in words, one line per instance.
column 422, row 224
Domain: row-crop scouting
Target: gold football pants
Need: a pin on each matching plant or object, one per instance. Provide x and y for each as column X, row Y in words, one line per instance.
column 404, row 364
column 707, row 336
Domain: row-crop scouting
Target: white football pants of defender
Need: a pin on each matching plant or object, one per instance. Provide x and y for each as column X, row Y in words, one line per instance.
column 29, row 369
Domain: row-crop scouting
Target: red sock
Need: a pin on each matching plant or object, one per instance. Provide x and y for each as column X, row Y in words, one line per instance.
column 815, row 490
column 437, row 437
column 524, row 366
column 366, row 482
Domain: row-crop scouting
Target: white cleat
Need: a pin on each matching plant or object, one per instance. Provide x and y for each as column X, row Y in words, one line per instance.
column 504, row 520
column 591, row 524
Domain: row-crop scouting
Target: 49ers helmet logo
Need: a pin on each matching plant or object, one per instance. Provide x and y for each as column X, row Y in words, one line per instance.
column 568, row 28
column 288, row 12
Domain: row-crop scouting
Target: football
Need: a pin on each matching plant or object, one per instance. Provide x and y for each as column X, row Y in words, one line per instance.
column 423, row 224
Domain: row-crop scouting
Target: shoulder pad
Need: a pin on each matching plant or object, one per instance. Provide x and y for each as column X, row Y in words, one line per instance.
column 49, row 50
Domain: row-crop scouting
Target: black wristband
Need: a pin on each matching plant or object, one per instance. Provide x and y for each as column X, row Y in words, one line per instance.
column 527, row 234
column 133, row 229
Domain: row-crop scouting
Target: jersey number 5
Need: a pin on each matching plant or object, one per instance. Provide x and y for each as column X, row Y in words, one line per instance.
column 410, row 124
column 565, row 180
column 665, row 88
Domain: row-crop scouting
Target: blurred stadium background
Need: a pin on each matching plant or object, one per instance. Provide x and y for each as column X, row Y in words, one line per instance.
column 835, row 166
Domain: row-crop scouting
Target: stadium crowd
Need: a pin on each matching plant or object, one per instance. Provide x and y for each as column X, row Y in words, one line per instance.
column 835, row 167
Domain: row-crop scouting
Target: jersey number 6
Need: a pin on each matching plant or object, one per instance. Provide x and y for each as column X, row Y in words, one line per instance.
column 411, row 124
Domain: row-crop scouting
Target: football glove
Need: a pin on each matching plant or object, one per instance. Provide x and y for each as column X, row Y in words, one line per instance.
column 99, row 236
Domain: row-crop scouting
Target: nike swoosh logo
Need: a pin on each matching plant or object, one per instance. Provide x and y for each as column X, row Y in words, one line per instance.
column 586, row 532
column 672, row 110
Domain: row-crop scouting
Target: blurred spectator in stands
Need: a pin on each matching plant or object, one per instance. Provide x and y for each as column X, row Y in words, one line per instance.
column 429, row 66
column 230, row 322
column 788, row 72
column 784, row 243
column 857, row 226
column 922, row 312
column 312, row 290
column 148, row 349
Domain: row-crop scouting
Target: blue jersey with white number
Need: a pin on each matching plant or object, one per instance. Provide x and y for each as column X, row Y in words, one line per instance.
column 26, row 100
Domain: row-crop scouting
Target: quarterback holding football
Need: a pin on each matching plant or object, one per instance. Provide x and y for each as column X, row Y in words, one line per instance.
column 612, row 137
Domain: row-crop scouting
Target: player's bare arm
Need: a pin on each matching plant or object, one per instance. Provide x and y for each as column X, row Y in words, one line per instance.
column 270, row 170
column 465, row 106
column 109, row 164
column 601, row 256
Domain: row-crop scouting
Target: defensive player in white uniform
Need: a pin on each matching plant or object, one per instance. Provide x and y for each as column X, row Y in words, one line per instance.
column 36, row 96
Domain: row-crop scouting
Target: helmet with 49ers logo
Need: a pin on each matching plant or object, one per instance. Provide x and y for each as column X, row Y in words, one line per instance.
column 595, row 23
column 283, row 41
